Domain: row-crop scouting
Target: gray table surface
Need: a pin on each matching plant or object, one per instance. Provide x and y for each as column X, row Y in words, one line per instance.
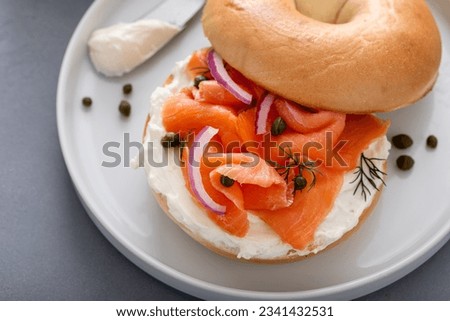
column 49, row 248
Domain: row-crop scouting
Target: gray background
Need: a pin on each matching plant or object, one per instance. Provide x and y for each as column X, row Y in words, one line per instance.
column 49, row 248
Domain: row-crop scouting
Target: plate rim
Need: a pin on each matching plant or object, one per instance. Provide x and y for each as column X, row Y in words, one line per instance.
column 200, row 288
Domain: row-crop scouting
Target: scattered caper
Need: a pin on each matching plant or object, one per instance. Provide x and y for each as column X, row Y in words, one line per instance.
column 127, row 89
column 432, row 141
column 125, row 108
column 300, row 183
column 405, row 162
column 226, row 181
column 171, row 140
column 278, row 126
column 198, row 80
column 402, row 141
column 87, row 102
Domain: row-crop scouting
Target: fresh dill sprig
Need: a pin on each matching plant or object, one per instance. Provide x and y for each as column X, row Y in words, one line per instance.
column 368, row 173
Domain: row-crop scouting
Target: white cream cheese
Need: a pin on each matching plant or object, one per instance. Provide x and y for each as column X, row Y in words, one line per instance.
column 119, row 49
column 261, row 242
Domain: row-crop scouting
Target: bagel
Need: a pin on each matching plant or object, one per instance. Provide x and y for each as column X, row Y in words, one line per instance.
column 350, row 56
column 261, row 244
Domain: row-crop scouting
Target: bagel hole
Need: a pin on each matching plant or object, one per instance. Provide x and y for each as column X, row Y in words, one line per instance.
column 327, row 11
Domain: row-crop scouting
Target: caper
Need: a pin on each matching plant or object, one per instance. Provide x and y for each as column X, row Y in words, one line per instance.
column 226, row 181
column 198, row 80
column 171, row 140
column 125, row 108
column 87, row 102
column 127, row 89
column 402, row 141
column 278, row 126
column 300, row 183
column 432, row 141
column 405, row 162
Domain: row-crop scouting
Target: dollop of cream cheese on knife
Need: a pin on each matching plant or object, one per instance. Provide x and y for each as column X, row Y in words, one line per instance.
column 119, row 49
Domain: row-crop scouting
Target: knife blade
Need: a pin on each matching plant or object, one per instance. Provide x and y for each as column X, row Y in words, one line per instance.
column 116, row 50
column 175, row 12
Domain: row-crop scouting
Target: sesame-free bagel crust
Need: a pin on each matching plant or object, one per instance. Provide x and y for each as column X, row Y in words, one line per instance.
column 351, row 56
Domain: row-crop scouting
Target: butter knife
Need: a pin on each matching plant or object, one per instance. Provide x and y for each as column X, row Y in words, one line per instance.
column 117, row 50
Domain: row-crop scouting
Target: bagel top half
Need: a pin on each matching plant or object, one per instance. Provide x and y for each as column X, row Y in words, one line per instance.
column 351, row 56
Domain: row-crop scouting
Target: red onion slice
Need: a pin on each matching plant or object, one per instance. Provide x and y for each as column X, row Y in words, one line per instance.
column 262, row 114
column 195, row 178
column 220, row 74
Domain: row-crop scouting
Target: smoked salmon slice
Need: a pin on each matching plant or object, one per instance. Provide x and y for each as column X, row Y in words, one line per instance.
column 359, row 132
column 257, row 185
column 312, row 143
column 211, row 92
column 181, row 113
column 198, row 65
column 297, row 224
column 235, row 220
column 304, row 120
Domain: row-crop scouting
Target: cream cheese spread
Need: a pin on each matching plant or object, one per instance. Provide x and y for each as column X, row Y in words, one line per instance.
column 261, row 242
column 119, row 49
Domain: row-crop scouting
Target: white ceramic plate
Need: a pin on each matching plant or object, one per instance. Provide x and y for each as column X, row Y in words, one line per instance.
column 410, row 224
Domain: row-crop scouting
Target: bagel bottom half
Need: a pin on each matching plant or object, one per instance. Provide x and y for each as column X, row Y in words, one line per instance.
column 168, row 187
